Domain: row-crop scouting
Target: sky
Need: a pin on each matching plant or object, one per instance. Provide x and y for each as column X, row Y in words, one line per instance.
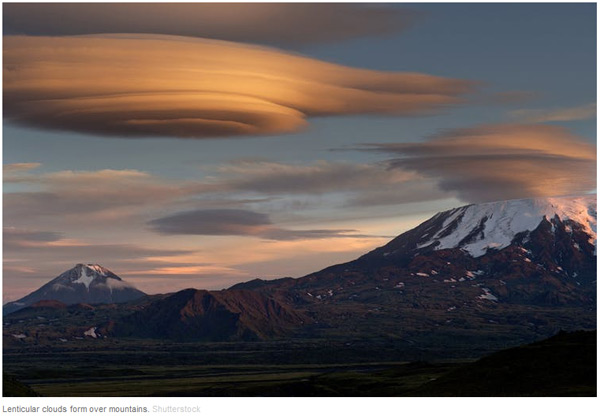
column 200, row 145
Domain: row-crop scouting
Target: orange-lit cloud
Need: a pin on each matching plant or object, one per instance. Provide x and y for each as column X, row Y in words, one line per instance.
column 72, row 194
column 583, row 112
column 496, row 162
column 272, row 23
column 44, row 245
column 18, row 172
column 144, row 85
column 18, row 168
column 189, row 270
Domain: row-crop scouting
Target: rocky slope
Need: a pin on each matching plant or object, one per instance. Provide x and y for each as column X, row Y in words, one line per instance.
column 202, row 315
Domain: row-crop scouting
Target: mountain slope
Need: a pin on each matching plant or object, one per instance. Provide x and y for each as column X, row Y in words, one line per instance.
column 511, row 272
column 539, row 251
column 465, row 282
column 217, row 316
column 84, row 283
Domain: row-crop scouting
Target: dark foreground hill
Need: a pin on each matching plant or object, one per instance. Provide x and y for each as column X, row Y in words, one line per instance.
column 11, row 387
column 564, row 365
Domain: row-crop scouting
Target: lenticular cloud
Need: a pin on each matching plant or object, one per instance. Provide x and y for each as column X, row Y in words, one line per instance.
column 146, row 85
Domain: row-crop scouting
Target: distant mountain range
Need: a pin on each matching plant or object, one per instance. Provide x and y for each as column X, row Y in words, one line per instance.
column 478, row 276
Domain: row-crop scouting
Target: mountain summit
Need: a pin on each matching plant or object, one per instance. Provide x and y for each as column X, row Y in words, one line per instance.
column 84, row 283
column 477, row 230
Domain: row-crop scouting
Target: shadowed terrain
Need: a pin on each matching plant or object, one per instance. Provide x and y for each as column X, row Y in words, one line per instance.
column 564, row 365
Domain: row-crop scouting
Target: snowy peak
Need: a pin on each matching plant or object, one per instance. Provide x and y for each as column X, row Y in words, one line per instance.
column 84, row 283
column 87, row 273
column 529, row 251
column 96, row 268
column 477, row 228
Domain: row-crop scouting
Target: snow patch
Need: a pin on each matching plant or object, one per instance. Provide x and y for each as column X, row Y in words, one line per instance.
column 422, row 274
column 91, row 332
column 19, row 336
column 487, row 295
column 97, row 268
column 84, row 277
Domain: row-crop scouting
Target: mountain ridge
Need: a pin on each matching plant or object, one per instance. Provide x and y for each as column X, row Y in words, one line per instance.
column 542, row 281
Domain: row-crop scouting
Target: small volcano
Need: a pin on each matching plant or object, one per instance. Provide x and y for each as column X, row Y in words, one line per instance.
column 84, row 283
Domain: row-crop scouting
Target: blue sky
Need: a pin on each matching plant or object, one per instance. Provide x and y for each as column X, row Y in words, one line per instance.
column 533, row 74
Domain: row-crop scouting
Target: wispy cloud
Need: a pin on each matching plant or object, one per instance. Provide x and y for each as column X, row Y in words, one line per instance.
column 69, row 195
column 274, row 23
column 496, row 162
column 236, row 222
column 32, row 257
column 274, row 178
column 111, row 199
column 48, row 245
column 15, row 238
column 14, row 172
column 147, row 86
column 20, row 167
column 416, row 190
column 511, row 97
column 583, row 112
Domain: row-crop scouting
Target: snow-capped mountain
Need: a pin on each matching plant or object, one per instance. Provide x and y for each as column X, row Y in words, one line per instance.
column 84, row 283
column 478, row 228
column 478, row 276
column 529, row 252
